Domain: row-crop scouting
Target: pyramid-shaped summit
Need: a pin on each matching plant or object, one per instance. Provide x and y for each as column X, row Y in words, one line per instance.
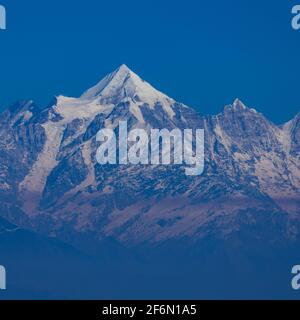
column 124, row 83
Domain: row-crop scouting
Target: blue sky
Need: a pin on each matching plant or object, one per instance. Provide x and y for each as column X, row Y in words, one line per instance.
column 202, row 53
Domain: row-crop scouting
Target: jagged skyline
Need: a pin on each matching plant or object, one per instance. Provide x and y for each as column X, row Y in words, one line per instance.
column 196, row 52
column 246, row 200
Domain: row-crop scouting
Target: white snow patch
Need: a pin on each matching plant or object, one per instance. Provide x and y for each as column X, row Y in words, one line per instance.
column 124, row 83
column 73, row 108
column 33, row 184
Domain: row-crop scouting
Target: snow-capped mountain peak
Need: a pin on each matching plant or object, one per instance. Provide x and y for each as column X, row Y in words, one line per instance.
column 238, row 104
column 251, row 168
column 122, row 84
column 109, row 84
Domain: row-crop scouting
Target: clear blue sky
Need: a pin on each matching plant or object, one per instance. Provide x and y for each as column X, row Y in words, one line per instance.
column 202, row 53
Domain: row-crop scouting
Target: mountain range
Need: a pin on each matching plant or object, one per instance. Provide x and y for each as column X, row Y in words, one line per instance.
column 242, row 212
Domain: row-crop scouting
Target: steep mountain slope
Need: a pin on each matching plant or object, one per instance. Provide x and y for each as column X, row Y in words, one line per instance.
column 166, row 231
column 252, row 170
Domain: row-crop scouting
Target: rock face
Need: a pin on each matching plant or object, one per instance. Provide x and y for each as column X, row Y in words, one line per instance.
column 50, row 180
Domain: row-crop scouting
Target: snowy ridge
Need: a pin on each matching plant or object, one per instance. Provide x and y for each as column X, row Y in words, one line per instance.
column 251, row 165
